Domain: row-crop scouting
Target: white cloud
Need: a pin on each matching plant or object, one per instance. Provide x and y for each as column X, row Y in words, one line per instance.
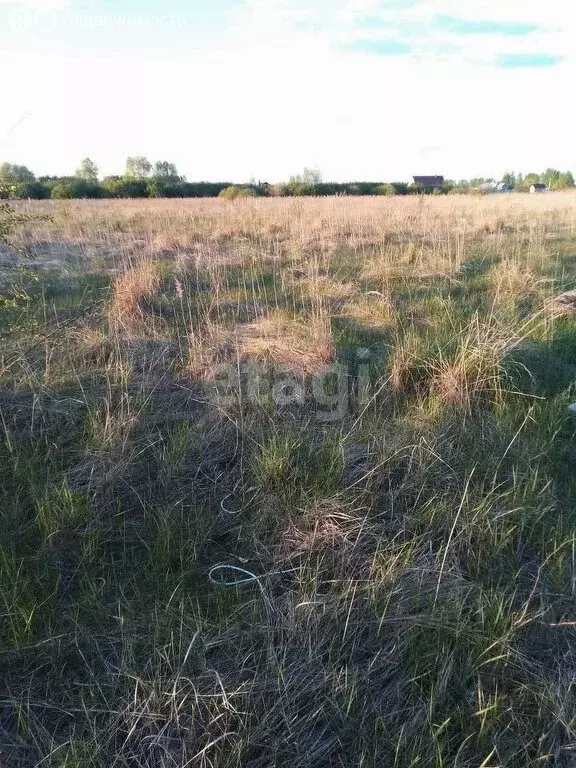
column 343, row 21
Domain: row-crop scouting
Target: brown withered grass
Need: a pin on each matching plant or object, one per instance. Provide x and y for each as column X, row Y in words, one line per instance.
column 197, row 570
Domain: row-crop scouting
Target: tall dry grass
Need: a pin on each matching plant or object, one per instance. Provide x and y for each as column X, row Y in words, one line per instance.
column 195, row 580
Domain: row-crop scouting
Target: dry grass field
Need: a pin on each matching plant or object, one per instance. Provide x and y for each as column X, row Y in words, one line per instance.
column 288, row 483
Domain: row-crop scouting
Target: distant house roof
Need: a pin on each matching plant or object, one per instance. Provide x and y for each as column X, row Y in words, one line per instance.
column 539, row 186
column 429, row 181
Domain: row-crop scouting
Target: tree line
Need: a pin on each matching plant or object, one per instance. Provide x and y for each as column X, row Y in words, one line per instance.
column 142, row 179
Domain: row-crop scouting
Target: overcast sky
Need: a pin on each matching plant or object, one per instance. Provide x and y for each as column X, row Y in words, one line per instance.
column 233, row 89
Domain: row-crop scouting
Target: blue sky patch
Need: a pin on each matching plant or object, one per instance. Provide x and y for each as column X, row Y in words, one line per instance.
column 527, row 60
column 484, row 26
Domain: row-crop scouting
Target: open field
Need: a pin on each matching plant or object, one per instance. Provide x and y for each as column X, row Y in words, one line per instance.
column 288, row 484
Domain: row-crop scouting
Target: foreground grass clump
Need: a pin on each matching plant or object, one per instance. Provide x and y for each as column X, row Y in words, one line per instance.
column 288, row 483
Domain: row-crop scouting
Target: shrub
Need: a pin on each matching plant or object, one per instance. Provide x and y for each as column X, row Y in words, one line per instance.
column 233, row 193
column 230, row 193
column 32, row 190
column 117, row 186
column 386, row 189
column 76, row 189
column 297, row 188
column 278, row 190
column 400, row 188
column 247, row 192
column 60, row 192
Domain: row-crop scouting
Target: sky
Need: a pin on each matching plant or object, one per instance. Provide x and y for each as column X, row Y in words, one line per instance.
column 239, row 89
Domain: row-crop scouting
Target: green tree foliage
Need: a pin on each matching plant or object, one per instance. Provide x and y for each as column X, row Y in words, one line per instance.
column 88, row 170
column 77, row 189
column 15, row 174
column 523, row 183
column 138, row 167
column 118, row 186
column 395, row 188
column 558, row 179
column 165, row 181
column 32, row 190
column 165, row 171
column 305, row 183
column 566, row 181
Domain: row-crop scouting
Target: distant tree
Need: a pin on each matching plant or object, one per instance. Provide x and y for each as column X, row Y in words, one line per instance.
column 165, row 171
column 138, row 167
column 88, row 170
column 15, row 174
column 558, row 179
column 311, row 176
column 60, row 192
column 401, row 187
column 76, row 189
column 304, row 183
column 531, row 178
column 298, row 188
column 32, row 190
column 510, row 179
column 550, row 177
column 165, row 181
column 116, row 186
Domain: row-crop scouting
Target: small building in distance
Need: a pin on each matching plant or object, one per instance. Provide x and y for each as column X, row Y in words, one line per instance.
column 429, row 182
column 491, row 187
column 538, row 188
